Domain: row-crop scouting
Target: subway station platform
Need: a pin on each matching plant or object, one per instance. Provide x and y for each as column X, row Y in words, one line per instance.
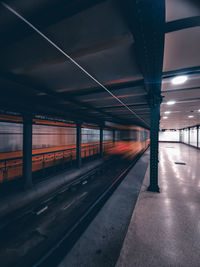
column 87, row 107
column 102, row 241
column 165, row 228
column 154, row 229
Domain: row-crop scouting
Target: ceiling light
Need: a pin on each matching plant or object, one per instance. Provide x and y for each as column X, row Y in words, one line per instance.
column 165, row 117
column 191, row 116
column 172, row 102
column 179, row 79
column 167, row 112
column 199, row 110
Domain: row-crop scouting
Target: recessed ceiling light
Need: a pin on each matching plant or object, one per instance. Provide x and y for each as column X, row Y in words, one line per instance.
column 179, row 79
column 199, row 110
column 165, row 117
column 191, row 116
column 172, row 102
column 167, row 112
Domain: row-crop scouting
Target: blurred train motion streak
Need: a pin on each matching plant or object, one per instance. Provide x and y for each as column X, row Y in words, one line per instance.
column 131, row 142
column 54, row 144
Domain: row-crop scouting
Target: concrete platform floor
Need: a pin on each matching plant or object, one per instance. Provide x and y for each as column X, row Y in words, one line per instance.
column 165, row 228
column 100, row 244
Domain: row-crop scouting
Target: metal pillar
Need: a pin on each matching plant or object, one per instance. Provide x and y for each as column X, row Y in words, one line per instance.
column 101, row 142
column 154, row 145
column 27, row 151
column 197, row 136
column 78, row 145
column 189, row 135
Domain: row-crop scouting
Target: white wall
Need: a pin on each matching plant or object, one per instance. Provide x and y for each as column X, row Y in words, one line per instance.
column 169, row 136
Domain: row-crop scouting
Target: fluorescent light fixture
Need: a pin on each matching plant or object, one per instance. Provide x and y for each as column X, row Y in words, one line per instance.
column 191, row 116
column 179, row 79
column 172, row 102
column 165, row 117
column 167, row 112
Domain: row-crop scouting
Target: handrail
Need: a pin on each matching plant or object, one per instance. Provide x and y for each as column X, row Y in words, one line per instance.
column 44, row 153
column 6, row 164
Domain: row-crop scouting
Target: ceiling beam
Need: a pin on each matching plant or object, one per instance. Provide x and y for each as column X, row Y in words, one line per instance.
column 180, row 90
column 112, row 87
column 187, row 100
column 188, row 71
column 49, row 94
column 129, row 105
column 181, row 24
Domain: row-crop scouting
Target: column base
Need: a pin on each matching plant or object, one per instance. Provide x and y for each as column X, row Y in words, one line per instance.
column 153, row 188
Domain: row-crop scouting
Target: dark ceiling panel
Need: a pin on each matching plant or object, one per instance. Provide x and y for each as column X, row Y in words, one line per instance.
column 42, row 13
column 179, row 9
column 120, row 93
column 181, row 49
column 106, row 38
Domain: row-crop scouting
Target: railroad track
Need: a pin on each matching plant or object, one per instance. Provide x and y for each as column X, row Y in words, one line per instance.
column 56, row 253
column 80, row 210
column 34, row 207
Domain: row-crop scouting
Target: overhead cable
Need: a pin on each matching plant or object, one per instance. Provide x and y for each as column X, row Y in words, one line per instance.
column 71, row 59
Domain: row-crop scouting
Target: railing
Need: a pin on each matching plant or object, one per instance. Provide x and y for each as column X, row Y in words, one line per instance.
column 12, row 168
column 107, row 145
column 89, row 150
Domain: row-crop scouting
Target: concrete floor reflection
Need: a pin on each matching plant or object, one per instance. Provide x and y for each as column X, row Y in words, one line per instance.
column 165, row 227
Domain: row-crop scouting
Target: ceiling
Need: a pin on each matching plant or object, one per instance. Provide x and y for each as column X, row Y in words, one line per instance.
column 121, row 44
column 181, row 57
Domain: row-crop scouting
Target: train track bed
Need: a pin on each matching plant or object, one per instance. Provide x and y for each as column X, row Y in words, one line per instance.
column 51, row 228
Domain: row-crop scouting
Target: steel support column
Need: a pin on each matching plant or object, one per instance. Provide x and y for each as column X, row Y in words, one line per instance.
column 147, row 23
column 27, row 151
column 189, row 135
column 101, row 142
column 197, row 136
column 78, row 145
column 154, row 146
